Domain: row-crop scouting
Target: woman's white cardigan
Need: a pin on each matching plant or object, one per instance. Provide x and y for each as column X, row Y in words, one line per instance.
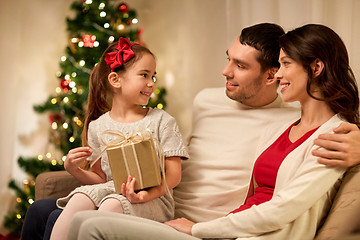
column 303, row 194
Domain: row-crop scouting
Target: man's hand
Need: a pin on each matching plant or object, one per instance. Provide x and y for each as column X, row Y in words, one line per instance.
column 182, row 225
column 342, row 148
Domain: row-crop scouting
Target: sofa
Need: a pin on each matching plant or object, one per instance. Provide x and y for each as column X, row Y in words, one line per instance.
column 342, row 222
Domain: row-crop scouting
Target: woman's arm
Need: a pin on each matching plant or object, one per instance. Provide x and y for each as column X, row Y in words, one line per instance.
column 310, row 182
column 172, row 176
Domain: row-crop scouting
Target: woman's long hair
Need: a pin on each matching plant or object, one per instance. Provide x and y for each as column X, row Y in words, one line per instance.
column 337, row 81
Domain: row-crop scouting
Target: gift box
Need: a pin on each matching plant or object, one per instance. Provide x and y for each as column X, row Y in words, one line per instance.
column 135, row 156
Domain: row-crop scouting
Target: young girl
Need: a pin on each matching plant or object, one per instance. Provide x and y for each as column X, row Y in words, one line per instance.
column 120, row 85
column 291, row 193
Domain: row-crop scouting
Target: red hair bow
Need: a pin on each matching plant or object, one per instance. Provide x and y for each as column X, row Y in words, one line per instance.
column 118, row 58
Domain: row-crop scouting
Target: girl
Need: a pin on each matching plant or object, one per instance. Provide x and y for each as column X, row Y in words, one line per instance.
column 120, row 84
column 291, row 193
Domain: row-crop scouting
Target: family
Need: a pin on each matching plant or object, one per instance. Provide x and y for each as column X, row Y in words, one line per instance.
column 255, row 167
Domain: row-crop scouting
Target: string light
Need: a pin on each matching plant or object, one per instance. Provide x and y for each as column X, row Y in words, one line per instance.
column 121, row 27
column 82, row 63
column 48, row 155
column 66, row 100
column 74, row 40
column 58, row 90
column 101, row 6
column 160, row 106
column 63, row 58
column 31, row 201
column 81, row 44
column 134, row 21
column 54, row 126
column 102, row 14
column 74, row 74
column 65, row 125
column 53, row 100
column 88, row 1
column 96, row 44
column 40, row 157
column 106, row 25
column 111, row 39
column 71, row 139
column 72, row 84
column 74, row 90
column 53, row 162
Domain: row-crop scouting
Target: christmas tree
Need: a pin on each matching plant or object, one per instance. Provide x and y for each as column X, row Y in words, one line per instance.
column 96, row 24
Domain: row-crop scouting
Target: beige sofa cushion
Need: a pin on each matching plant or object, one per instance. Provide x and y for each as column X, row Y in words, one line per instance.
column 344, row 216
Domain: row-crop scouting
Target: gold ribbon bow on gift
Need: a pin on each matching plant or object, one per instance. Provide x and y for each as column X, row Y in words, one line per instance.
column 122, row 140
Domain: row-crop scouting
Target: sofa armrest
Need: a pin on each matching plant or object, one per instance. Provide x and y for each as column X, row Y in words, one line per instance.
column 343, row 218
column 54, row 184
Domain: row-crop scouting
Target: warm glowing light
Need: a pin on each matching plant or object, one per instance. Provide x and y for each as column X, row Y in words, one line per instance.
column 31, row 201
column 135, row 21
column 82, row 63
column 102, row 14
column 66, row 99
column 111, row 39
column 53, row 162
column 40, row 157
column 18, row 216
column 53, row 100
column 160, row 106
column 58, row 90
column 65, row 125
column 96, row 44
column 63, row 58
column 106, row 25
column 71, row 139
column 48, row 155
column 72, row 84
column 121, row 27
column 74, row 74
column 88, row 1
column 54, row 126
column 81, row 44
column 101, row 6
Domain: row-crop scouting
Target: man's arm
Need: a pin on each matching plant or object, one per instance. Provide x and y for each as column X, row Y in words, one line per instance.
column 343, row 147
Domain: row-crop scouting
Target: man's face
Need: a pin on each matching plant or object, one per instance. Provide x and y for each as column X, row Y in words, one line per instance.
column 244, row 77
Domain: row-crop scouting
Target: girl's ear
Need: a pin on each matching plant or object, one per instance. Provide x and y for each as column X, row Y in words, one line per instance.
column 114, row 80
column 317, row 67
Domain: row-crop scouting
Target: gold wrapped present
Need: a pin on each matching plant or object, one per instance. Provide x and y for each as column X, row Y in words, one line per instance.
column 134, row 156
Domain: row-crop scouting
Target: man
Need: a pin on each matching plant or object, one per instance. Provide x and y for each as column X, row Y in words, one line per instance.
column 225, row 133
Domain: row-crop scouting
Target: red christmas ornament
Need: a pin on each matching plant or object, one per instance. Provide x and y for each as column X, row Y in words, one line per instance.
column 123, row 8
column 64, row 84
column 89, row 40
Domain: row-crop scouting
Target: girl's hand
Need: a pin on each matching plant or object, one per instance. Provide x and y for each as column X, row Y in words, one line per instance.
column 76, row 157
column 127, row 190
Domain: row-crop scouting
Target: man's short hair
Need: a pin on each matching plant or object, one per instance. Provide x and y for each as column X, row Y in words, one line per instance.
column 264, row 37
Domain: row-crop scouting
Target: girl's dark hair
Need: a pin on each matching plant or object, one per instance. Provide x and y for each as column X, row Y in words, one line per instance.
column 337, row 81
column 100, row 90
